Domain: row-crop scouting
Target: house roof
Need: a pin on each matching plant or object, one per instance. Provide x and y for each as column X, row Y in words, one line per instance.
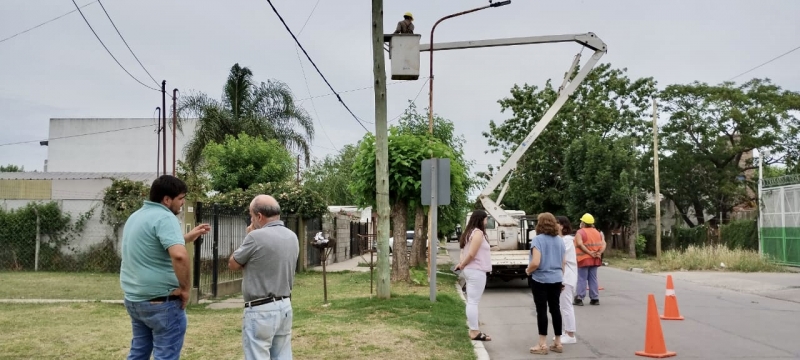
column 36, row 175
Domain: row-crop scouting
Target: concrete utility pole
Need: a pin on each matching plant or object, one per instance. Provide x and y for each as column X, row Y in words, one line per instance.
column 174, row 127
column 657, row 188
column 381, row 150
column 164, row 123
column 158, row 141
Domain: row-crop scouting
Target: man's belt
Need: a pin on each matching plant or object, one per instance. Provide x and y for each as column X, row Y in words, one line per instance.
column 165, row 298
column 265, row 301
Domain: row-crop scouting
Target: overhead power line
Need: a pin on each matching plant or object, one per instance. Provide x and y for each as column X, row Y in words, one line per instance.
column 126, row 43
column 109, row 51
column 412, row 101
column 314, row 64
column 767, row 62
column 76, row 135
column 305, row 79
column 351, row 90
column 45, row 23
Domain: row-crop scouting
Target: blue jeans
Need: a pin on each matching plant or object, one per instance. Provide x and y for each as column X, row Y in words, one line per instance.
column 158, row 328
column 589, row 274
column 267, row 331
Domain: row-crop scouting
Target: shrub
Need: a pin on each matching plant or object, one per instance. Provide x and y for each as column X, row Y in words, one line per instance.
column 641, row 243
column 741, row 234
column 18, row 235
column 712, row 257
column 685, row 237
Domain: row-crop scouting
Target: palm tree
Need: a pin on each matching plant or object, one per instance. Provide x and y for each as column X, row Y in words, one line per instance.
column 266, row 110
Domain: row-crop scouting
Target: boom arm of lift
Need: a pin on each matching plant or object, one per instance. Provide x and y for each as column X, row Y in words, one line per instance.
column 589, row 40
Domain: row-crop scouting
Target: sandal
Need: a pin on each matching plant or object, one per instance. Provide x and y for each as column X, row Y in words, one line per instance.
column 482, row 337
column 558, row 349
column 539, row 350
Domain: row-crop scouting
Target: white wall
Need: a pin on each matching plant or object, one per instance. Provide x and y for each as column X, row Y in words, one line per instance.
column 109, row 145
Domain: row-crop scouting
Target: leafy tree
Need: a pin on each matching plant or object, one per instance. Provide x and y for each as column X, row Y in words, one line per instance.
column 414, row 123
column 607, row 104
column 12, row 168
column 406, row 152
column 709, row 139
column 331, row 176
column 265, row 110
column 242, row 161
column 596, row 173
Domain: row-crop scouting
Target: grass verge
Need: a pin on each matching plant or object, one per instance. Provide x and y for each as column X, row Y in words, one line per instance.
column 353, row 326
column 54, row 285
column 697, row 259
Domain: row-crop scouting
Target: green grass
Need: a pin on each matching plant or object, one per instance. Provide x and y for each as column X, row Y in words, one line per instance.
column 697, row 259
column 353, row 326
column 53, row 285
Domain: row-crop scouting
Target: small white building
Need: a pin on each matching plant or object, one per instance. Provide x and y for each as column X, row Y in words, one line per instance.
column 112, row 145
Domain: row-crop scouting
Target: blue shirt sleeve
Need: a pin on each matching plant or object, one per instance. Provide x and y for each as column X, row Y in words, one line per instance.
column 168, row 232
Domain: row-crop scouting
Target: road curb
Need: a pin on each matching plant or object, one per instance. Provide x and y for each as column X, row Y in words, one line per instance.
column 480, row 350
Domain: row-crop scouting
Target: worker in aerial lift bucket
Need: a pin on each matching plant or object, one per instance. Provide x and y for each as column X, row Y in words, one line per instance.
column 405, row 26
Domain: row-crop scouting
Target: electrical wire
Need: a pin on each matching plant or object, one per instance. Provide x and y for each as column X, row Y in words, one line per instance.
column 76, row 135
column 351, row 90
column 126, row 43
column 45, row 23
column 308, row 18
column 412, row 101
column 314, row 64
column 308, row 88
column 109, row 51
column 769, row 61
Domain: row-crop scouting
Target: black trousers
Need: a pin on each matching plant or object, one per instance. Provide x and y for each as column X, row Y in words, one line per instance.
column 544, row 296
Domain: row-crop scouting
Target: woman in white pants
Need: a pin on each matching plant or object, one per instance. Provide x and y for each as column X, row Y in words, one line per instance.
column 475, row 262
column 569, row 282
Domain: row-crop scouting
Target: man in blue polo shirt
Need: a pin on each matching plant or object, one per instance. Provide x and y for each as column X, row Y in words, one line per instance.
column 155, row 273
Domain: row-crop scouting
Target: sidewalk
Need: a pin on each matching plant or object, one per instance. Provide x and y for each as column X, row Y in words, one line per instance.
column 352, row 264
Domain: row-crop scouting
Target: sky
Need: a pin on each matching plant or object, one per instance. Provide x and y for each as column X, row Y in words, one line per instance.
column 60, row 70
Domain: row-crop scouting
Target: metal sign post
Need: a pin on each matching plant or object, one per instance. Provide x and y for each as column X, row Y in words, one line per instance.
column 435, row 192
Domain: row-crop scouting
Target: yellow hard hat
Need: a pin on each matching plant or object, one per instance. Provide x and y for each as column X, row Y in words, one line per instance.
column 409, row 15
column 587, row 219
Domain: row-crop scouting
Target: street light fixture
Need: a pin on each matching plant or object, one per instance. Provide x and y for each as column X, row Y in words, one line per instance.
column 430, row 77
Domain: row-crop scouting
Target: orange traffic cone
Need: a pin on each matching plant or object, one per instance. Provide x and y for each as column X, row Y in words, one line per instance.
column 671, row 303
column 654, row 345
column 598, row 288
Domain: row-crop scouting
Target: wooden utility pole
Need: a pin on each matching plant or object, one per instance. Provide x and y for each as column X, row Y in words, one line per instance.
column 381, row 150
column 657, row 188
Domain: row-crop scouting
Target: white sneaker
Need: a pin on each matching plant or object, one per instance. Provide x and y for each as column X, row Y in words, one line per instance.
column 566, row 339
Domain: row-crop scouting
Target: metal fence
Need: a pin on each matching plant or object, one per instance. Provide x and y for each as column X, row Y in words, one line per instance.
column 359, row 238
column 779, row 223
column 228, row 230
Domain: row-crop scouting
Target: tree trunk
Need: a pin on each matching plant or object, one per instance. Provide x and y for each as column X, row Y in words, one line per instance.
column 419, row 238
column 399, row 258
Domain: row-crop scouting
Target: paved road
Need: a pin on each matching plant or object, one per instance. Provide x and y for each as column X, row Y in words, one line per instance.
column 720, row 323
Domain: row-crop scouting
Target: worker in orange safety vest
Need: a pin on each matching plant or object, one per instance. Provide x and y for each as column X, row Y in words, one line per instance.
column 589, row 247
